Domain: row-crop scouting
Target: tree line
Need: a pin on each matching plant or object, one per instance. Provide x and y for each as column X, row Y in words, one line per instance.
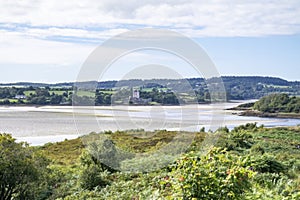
column 162, row 91
column 35, row 96
column 278, row 103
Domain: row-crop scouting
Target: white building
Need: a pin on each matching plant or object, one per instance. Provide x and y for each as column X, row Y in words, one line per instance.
column 20, row 97
column 136, row 93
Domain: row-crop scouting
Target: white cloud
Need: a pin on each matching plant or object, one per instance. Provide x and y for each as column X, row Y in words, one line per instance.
column 216, row 18
column 71, row 32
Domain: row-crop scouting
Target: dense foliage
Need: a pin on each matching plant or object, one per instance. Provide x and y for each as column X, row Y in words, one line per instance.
column 23, row 172
column 278, row 103
column 36, row 96
column 249, row 162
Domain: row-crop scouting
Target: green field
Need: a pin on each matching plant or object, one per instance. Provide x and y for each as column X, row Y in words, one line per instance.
column 80, row 92
column 108, row 92
column 10, row 100
column 85, row 93
column 27, row 93
column 92, row 93
column 150, row 89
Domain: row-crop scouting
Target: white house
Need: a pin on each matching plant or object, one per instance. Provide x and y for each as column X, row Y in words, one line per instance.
column 20, row 96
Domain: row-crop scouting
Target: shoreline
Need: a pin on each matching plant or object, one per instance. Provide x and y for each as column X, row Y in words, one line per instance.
column 52, row 139
column 249, row 112
column 255, row 113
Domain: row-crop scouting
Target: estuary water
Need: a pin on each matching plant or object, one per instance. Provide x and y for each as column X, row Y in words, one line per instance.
column 39, row 125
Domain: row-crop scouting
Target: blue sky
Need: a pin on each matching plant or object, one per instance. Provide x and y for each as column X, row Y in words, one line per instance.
column 268, row 55
column 48, row 41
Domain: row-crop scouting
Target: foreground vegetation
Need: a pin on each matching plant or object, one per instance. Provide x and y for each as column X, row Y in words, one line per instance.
column 248, row 162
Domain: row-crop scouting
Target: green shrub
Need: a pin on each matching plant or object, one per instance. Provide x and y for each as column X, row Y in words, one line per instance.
column 267, row 164
column 23, row 171
column 218, row 175
column 91, row 177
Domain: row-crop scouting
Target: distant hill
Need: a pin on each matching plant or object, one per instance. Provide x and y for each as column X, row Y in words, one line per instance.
column 255, row 87
column 237, row 87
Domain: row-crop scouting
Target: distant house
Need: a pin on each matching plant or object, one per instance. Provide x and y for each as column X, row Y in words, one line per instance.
column 20, row 96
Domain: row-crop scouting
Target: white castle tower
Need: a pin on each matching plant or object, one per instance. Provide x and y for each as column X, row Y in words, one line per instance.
column 136, row 93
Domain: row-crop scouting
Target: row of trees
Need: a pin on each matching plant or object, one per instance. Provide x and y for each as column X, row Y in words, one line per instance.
column 236, row 88
column 123, row 95
column 43, row 96
column 36, row 96
column 10, row 92
column 47, row 96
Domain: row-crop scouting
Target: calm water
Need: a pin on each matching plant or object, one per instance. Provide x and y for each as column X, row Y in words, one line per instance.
column 39, row 125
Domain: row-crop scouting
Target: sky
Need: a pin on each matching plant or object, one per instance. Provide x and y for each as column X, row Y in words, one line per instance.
column 48, row 41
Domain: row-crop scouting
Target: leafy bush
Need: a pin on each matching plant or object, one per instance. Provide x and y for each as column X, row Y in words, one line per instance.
column 93, row 176
column 104, row 153
column 267, row 164
column 23, row 172
column 92, row 173
column 237, row 139
column 217, row 175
